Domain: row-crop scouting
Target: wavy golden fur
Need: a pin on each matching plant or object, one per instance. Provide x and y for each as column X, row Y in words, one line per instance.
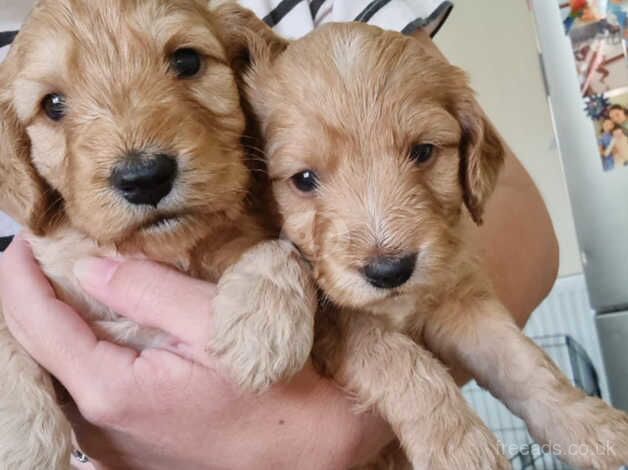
column 112, row 61
column 343, row 111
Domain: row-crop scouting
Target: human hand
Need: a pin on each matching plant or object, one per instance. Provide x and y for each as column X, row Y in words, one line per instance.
column 158, row 410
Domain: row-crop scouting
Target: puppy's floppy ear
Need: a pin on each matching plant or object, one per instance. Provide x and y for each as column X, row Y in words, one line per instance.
column 246, row 38
column 482, row 154
column 24, row 195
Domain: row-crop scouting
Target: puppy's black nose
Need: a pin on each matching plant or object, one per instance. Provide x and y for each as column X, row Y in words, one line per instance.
column 387, row 272
column 145, row 179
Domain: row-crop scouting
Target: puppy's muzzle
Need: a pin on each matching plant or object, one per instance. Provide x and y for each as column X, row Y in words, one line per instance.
column 387, row 272
column 145, row 179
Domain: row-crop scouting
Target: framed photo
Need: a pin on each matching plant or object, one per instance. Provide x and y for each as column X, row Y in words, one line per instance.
column 600, row 52
column 612, row 131
column 577, row 13
column 598, row 30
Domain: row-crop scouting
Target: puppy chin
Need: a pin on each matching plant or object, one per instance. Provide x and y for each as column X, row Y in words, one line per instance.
column 346, row 288
column 126, row 228
column 165, row 240
column 360, row 295
column 166, row 226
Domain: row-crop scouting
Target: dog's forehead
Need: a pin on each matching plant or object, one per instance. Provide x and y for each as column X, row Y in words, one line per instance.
column 350, row 51
column 360, row 65
column 356, row 91
column 365, row 79
column 115, row 29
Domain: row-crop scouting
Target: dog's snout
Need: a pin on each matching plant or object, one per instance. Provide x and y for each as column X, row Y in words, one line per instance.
column 387, row 272
column 145, row 179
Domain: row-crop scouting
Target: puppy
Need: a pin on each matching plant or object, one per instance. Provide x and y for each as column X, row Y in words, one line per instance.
column 375, row 147
column 120, row 135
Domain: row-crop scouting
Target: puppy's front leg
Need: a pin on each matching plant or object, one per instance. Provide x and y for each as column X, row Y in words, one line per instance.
column 263, row 319
column 413, row 391
column 480, row 333
column 34, row 433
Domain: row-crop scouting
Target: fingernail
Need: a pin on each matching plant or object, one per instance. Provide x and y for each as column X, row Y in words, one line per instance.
column 95, row 272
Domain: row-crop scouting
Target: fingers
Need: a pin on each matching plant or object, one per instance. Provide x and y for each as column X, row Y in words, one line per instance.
column 152, row 295
column 52, row 332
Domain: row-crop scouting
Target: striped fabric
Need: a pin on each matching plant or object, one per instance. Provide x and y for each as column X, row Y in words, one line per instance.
column 290, row 18
column 6, row 37
column 294, row 18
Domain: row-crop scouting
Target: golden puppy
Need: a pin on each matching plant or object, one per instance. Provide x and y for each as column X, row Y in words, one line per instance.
column 120, row 135
column 375, row 147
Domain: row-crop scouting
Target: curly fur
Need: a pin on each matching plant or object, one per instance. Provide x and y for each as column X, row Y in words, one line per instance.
column 348, row 102
column 110, row 58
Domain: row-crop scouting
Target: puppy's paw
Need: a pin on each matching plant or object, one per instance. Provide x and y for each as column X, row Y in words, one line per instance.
column 263, row 319
column 587, row 434
column 483, row 451
column 453, row 437
column 472, row 446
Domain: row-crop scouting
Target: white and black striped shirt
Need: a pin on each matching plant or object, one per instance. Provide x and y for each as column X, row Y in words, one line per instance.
column 295, row 18
column 290, row 18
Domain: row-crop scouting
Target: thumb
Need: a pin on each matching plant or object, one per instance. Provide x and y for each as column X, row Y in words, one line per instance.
column 152, row 295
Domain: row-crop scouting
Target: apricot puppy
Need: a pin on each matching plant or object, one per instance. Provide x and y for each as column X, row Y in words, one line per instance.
column 120, row 135
column 375, row 147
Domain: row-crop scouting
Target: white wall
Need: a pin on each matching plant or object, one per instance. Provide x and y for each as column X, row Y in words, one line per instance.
column 13, row 11
column 495, row 42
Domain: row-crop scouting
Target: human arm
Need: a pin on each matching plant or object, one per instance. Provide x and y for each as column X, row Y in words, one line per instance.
column 516, row 243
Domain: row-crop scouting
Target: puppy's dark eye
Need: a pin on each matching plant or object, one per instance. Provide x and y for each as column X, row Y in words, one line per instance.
column 54, row 106
column 422, row 153
column 306, row 181
column 186, row 62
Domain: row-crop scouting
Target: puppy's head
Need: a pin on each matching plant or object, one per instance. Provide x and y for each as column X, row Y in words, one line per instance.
column 374, row 146
column 122, row 118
